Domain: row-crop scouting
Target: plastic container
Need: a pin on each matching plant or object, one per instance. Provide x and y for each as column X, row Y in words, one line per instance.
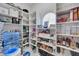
column 12, row 52
column 27, row 53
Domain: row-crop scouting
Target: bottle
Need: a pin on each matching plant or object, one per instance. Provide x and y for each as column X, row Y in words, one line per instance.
column 73, row 43
column 63, row 42
column 58, row 42
column 75, row 16
column 68, row 41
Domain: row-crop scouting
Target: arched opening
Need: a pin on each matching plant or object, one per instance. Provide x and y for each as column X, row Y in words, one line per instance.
column 49, row 18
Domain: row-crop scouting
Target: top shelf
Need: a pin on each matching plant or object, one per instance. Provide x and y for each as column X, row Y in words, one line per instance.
column 62, row 12
column 8, row 16
column 70, row 22
column 65, row 11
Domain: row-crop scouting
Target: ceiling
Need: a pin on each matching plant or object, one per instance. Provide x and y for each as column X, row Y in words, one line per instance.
column 31, row 4
column 28, row 6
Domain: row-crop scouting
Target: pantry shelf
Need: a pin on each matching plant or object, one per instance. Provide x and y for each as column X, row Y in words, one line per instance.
column 8, row 16
column 26, row 24
column 51, row 45
column 70, row 22
column 75, row 50
column 33, row 44
column 12, row 24
column 33, row 39
column 25, row 44
column 47, row 51
column 68, row 35
column 46, row 37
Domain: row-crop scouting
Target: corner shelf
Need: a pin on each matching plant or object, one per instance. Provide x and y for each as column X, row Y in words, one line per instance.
column 48, row 37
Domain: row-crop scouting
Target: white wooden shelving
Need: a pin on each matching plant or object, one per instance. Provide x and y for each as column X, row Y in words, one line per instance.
column 27, row 21
column 32, row 32
column 12, row 25
column 46, row 36
column 70, row 23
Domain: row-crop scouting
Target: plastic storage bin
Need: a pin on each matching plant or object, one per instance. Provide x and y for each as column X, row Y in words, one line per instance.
column 10, row 42
column 12, row 52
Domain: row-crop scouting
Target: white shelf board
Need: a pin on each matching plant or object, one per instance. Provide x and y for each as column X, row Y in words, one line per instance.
column 68, row 35
column 7, row 15
column 43, row 28
column 26, row 24
column 75, row 26
column 32, row 31
column 26, row 20
column 33, row 44
column 12, row 24
column 51, row 45
column 75, row 50
column 47, row 37
column 47, row 28
column 25, row 44
column 32, row 25
column 47, row 51
column 33, row 39
column 25, row 37
column 70, row 22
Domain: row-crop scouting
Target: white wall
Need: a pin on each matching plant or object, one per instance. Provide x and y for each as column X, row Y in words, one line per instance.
column 51, row 18
column 23, row 5
column 65, row 6
column 42, row 9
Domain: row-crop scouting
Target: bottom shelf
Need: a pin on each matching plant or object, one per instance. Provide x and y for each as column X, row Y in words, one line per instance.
column 46, row 51
column 66, row 51
column 75, row 50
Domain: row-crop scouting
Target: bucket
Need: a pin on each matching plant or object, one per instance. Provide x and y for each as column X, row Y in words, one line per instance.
column 27, row 53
